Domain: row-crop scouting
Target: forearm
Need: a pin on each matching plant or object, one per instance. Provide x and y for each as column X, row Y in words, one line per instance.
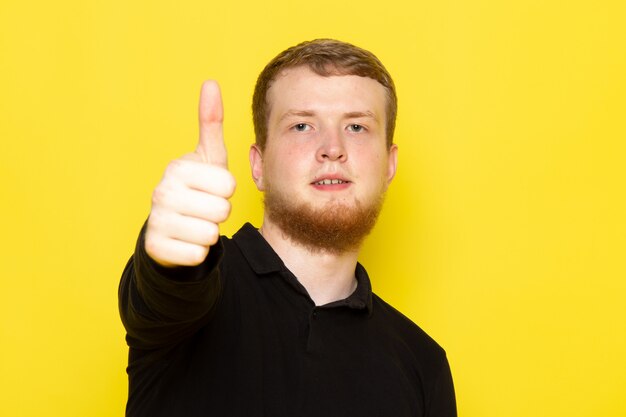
column 159, row 305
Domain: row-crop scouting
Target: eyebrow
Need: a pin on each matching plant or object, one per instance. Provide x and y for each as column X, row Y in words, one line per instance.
column 349, row 115
column 357, row 114
column 297, row 113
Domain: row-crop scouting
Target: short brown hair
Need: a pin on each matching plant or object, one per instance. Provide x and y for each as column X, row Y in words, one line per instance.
column 325, row 57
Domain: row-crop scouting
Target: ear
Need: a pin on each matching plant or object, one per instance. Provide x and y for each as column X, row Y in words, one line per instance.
column 256, row 166
column 392, row 163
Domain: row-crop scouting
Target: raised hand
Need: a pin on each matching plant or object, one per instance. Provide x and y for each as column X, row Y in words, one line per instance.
column 192, row 198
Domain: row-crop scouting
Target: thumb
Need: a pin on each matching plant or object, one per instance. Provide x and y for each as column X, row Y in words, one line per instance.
column 211, row 147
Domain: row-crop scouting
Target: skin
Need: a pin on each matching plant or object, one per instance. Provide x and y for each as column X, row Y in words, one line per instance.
column 320, row 128
column 192, row 198
column 323, row 128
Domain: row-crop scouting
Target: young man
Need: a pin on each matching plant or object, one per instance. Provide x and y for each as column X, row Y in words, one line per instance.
column 280, row 321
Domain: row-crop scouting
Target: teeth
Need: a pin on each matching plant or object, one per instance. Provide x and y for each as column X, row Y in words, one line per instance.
column 329, row 182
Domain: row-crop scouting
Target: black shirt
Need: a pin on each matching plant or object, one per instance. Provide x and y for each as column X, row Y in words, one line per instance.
column 240, row 336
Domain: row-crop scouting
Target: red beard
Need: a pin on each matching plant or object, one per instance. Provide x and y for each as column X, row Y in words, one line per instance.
column 335, row 228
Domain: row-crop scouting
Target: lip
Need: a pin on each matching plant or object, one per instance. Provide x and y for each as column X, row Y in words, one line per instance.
column 331, row 177
column 331, row 182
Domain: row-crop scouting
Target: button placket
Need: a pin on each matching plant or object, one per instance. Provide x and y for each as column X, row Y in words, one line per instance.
column 312, row 335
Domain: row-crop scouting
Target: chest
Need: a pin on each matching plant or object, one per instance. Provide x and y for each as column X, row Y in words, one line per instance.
column 269, row 352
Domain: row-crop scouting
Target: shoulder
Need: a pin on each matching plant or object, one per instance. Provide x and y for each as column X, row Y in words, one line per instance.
column 409, row 345
column 402, row 329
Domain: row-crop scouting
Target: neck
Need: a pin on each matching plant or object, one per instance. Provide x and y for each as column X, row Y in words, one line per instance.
column 327, row 276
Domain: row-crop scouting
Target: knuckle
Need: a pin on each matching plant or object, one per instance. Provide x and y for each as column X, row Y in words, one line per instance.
column 196, row 254
column 153, row 224
column 152, row 246
column 172, row 166
column 224, row 183
column 223, row 209
column 229, row 184
column 175, row 168
column 156, row 222
column 228, row 208
column 212, row 234
column 159, row 195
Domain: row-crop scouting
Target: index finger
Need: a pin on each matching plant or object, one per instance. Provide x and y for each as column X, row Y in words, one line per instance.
column 211, row 145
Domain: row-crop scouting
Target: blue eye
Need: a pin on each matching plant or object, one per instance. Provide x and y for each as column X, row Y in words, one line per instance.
column 355, row 128
column 302, row 127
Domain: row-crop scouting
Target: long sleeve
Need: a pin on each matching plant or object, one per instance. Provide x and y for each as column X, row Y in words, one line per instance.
column 160, row 306
column 443, row 400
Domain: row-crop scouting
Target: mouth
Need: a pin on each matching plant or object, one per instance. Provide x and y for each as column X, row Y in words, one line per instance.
column 330, row 182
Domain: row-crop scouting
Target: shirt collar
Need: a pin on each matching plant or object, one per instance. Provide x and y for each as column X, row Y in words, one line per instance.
column 263, row 260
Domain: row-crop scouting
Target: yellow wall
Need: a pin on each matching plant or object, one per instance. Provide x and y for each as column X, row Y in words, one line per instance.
column 503, row 236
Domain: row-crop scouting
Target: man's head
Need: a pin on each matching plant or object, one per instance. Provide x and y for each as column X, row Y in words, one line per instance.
column 324, row 57
column 324, row 155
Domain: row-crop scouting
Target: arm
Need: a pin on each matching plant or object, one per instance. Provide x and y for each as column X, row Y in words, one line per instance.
column 172, row 281
column 443, row 400
column 161, row 306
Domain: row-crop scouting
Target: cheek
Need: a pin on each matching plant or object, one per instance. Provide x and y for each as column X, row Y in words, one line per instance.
column 282, row 168
column 293, row 159
column 372, row 159
column 375, row 166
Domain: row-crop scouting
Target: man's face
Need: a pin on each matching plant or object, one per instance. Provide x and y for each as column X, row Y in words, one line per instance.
column 326, row 162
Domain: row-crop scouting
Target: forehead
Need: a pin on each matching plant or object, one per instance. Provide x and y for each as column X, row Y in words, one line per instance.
column 300, row 89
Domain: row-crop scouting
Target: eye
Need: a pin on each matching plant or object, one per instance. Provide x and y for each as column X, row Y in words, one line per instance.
column 301, row 127
column 356, row 128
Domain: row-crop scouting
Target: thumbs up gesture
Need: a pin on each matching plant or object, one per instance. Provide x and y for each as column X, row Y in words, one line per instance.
column 192, row 198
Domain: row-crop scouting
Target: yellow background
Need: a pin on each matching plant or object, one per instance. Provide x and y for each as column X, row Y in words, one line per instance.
column 503, row 235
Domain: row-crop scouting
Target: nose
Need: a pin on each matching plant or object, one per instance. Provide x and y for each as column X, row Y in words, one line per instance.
column 332, row 147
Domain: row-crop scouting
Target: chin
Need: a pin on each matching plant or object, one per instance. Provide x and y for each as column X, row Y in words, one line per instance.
column 333, row 227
